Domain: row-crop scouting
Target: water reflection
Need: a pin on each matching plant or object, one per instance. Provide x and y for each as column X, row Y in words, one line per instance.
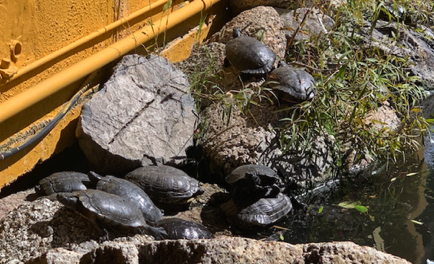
column 398, row 220
column 427, row 216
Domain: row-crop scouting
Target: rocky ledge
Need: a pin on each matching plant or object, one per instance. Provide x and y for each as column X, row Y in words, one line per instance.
column 43, row 231
column 221, row 250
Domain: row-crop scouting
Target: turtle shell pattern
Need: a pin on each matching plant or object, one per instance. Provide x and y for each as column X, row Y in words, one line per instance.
column 295, row 84
column 165, row 184
column 131, row 192
column 65, row 181
column 263, row 212
column 108, row 209
column 250, row 56
column 178, row 228
column 266, row 175
column 101, row 206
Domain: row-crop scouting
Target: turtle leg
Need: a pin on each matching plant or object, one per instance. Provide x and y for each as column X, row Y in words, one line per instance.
column 68, row 199
column 157, row 232
column 297, row 204
column 102, row 231
column 94, row 177
column 245, row 76
column 104, row 235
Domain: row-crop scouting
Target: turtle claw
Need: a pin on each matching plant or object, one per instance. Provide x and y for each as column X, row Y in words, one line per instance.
column 104, row 235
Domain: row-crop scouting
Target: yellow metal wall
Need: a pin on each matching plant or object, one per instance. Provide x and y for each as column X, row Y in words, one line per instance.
column 44, row 26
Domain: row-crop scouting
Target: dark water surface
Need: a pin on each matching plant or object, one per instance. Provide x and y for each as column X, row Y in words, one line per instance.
column 400, row 216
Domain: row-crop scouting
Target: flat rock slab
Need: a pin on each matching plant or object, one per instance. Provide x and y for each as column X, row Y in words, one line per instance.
column 144, row 115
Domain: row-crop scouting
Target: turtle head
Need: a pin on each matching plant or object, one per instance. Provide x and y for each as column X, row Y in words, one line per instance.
column 254, row 178
column 281, row 64
column 39, row 190
column 68, row 199
column 236, row 33
column 94, row 177
column 310, row 93
column 199, row 191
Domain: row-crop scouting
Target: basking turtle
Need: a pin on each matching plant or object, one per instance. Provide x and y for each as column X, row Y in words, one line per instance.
column 394, row 12
column 165, row 184
column 65, row 181
column 254, row 180
column 129, row 191
column 291, row 84
column 249, row 55
column 108, row 210
column 178, row 228
column 263, row 212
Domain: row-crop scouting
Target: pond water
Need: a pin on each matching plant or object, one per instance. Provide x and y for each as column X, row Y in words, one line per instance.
column 400, row 215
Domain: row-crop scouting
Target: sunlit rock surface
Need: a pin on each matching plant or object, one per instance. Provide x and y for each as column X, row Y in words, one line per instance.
column 144, row 115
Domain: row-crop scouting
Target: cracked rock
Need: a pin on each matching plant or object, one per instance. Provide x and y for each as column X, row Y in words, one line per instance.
column 144, row 115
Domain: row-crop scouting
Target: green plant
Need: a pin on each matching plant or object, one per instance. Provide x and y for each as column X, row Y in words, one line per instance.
column 354, row 80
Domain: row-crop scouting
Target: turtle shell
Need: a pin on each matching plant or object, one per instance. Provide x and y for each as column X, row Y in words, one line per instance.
column 65, row 181
column 263, row 212
column 129, row 191
column 178, row 228
column 253, row 174
column 165, row 184
column 249, row 55
column 108, row 209
column 294, row 84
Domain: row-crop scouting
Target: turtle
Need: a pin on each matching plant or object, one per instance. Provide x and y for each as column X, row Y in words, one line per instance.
column 248, row 55
column 129, row 191
column 178, row 228
column 394, row 12
column 108, row 210
column 261, row 213
column 254, row 180
column 165, row 184
column 291, row 84
column 65, row 181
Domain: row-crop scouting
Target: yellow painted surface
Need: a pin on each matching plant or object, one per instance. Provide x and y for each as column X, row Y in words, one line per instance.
column 43, row 27
column 180, row 48
column 24, row 161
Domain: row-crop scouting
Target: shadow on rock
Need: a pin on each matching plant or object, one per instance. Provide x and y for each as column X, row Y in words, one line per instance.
column 66, row 228
column 212, row 215
column 172, row 252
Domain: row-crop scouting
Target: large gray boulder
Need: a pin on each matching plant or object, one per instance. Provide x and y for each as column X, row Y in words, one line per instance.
column 144, row 115
column 232, row 138
column 412, row 45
